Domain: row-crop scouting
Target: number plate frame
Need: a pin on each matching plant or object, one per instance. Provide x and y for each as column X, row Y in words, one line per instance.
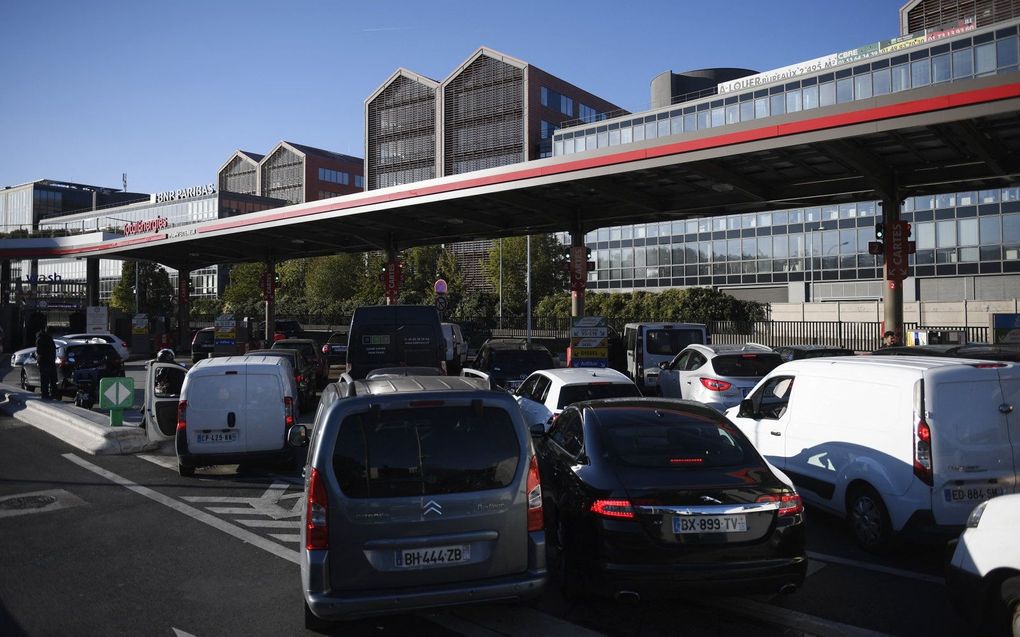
column 216, row 436
column 971, row 495
column 698, row 524
column 432, row 556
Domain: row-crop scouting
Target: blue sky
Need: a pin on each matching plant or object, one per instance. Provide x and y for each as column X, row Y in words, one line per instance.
column 167, row 91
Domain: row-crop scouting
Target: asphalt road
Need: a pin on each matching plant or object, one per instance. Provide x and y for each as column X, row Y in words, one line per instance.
column 138, row 550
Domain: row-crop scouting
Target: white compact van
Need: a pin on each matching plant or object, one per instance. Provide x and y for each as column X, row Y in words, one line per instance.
column 894, row 443
column 235, row 409
column 649, row 344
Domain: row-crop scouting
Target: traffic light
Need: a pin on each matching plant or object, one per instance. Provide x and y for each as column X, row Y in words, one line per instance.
column 879, row 232
column 276, row 279
column 191, row 285
column 911, row 246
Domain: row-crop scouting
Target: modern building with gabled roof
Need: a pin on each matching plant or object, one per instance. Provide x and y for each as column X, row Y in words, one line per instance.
column 240, row 173
column 297, row 173
column 400, row 130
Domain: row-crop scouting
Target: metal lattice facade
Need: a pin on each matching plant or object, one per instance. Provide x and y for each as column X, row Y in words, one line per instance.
column 240, row 176
column 401, row 134
column 483, row 117
column 283, row 176
column 929, row 14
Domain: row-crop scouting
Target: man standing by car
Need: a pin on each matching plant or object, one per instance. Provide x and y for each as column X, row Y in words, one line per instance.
column 46, row 354
column 889, row 339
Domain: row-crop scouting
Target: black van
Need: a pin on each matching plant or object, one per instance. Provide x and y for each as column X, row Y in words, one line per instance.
column 394, row 336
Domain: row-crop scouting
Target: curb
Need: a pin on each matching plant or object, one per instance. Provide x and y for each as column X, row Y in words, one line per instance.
column 80, row 428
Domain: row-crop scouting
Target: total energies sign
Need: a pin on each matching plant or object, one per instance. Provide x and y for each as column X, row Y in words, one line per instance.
column 183, row 193
column 848, row 57
column 146, row 225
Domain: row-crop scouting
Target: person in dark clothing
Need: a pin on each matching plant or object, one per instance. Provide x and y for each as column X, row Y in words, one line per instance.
column 46, row 355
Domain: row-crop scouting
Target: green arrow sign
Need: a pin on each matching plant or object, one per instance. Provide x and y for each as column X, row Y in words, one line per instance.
column 116, row 393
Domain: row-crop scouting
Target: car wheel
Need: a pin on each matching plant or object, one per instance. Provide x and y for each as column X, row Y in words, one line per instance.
column 185, row 471
column 317, row 624
column 869, row 519
column 1007, row 613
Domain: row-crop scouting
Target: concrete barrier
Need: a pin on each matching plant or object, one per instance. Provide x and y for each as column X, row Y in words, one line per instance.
column 80, row 428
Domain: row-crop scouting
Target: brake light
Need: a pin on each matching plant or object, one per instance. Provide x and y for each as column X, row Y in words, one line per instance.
column 535, row 515
column 621, row 509
column 299, row 378
column 789, row 503
column 325, row 349
column 288, row 411
column 182, row 415
column 316, row 520
column 686, row 460
column 922, row 453
column 713, row 384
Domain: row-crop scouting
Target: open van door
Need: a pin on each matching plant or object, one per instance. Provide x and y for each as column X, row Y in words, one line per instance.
column 161, row 399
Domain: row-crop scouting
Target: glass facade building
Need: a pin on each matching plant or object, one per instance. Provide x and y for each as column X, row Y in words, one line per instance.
column 825, row 247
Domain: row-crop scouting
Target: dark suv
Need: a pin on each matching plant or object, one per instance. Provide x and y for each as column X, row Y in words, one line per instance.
column 313, row 356
column 304, row 373
column 73, row 356
column 203, row 344
column 507, row 362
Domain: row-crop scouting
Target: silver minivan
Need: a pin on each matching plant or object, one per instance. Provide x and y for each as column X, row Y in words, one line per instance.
column 421, row 492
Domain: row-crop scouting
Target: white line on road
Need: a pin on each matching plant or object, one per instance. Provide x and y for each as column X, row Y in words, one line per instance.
column 242, row 534
column 164, row 461
column 286, row 537
column 842, row 561
column 271, row 524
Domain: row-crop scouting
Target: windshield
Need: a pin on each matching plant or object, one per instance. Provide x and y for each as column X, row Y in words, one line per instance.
column 670, row 342
column 644, row 437
column 520, row 362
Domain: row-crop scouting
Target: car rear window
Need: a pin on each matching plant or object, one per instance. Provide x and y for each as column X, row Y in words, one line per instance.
column 593, row 391
column 520, row 362
column 669, row 342
column 425, row 451
column 337, row 338
column 92, row 354
column 203, row 337
column 645, row 437
column 745, row 365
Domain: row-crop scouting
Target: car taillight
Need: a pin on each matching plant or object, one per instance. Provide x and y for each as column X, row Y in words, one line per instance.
column 298, row 378
column 325, row 349
column 535, row 516
column 182, row 415
column 922, row 453
column 713, row 384
column 613, row 509
column 316, row 525
column 789, row 503
column 61, row 362
column 552, row 419
column 288, row 411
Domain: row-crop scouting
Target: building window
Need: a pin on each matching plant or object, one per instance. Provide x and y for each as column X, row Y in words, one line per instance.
column 586, row 113
column 546, row 129
column 359, row 181
column 334, row 176
column 566, row 105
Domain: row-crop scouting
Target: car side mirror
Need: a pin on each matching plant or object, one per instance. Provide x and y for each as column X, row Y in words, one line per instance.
column 664, row 365
column 746, row 409
column 297, row 436
column 537, row 430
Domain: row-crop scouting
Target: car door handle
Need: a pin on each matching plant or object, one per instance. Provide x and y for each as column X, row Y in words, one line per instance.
column 776, row 433
column 231, row 419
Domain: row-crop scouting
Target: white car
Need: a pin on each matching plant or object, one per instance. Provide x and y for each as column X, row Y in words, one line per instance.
column 19, row 357
column 544, row 394
column 716, row 375
column 112, row 339
column 984, row 574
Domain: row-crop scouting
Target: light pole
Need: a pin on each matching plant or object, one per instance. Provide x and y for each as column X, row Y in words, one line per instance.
column 529, row 288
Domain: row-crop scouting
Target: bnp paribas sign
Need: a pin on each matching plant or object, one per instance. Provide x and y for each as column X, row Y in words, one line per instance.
column 183, row 193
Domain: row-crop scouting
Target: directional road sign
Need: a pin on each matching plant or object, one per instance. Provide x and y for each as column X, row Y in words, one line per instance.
column 116, row 393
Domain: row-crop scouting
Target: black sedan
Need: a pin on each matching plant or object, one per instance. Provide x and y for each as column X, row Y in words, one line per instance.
column 644, row 497
column 335, row 348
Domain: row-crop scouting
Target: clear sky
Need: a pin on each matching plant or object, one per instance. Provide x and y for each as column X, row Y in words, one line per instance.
column 167, row 91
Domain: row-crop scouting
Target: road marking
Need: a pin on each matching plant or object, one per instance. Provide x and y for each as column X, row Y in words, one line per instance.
column 163, row 461
column 778, row 616
column 38, row 502
column 242, row 534
column 813, row 566
column 180, row 633
column 286, row 537
column 267, row 504
column 878, row 568
column 271, row 524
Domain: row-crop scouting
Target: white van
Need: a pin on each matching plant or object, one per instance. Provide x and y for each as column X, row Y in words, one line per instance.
column 894, row 443
column 649, row 344
column 234, row 409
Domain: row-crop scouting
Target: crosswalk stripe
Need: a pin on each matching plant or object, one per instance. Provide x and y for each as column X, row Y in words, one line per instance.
column 270, row 524
column 286, row 537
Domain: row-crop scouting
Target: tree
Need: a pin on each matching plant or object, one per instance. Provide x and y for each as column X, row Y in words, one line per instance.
column 243, row 294
column 156, row 296
column 548, row 270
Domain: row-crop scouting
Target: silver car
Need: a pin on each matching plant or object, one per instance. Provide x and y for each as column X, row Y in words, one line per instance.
column 719, row 376
column 421, row 491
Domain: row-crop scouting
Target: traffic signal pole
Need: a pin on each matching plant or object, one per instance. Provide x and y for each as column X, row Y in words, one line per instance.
column 892, row 292
column 183, row 306
column 577, row 289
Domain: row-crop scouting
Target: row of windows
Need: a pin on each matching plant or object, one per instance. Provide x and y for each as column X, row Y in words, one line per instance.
column 961, row 59
column 553, row 99
column 176, row 213
column 410, row 149
column 334, row 176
